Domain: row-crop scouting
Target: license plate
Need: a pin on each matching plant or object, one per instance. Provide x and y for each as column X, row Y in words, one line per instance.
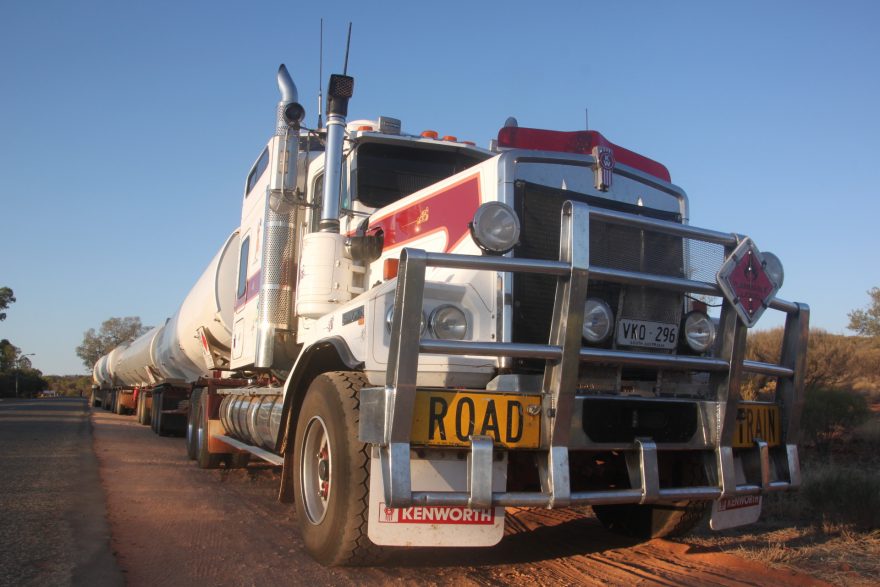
column 450, row 418
column 757, row 421
column 658, row 335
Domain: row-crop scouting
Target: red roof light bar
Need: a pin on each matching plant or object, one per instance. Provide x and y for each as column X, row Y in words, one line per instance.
column 580, row 142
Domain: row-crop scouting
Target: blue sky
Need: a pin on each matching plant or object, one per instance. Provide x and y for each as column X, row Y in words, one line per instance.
column 126, row 129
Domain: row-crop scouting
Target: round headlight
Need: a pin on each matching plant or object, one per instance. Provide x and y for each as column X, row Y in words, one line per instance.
column 773, row 267
column 389, row 317
column 699, row 331
column 448, row 323
column 495, row 227
column 598, row 320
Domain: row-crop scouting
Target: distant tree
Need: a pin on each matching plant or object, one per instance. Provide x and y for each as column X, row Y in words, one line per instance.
column 8, row 355
column 867, row 322
column 113, row 332
column 6, row 298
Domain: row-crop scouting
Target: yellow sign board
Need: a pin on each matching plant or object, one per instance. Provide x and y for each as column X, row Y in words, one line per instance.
column 757, row 421
column 450, row 418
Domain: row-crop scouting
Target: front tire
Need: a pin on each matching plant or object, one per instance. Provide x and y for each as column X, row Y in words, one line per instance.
column 332, row 472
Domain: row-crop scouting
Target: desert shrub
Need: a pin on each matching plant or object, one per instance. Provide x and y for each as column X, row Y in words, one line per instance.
column 834, row 361
column 831, row 414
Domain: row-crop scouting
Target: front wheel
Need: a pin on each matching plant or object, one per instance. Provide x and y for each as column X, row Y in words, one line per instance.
column 332, row 472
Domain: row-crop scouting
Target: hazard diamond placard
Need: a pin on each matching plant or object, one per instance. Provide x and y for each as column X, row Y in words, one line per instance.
column 745, row 282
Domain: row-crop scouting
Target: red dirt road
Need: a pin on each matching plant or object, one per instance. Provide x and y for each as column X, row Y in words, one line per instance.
column 174, row 524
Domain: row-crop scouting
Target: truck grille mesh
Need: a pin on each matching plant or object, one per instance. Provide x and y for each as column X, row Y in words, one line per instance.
column 612, row 246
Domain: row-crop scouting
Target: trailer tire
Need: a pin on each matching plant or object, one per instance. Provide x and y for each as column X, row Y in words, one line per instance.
column 205, row 459
column 192, row 425
column 156, row 410
column 332, row 473
column 238, row 460
column 118, row 408
column 146, row 418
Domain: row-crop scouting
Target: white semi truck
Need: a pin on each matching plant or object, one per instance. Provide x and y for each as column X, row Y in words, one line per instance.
column 422, row 332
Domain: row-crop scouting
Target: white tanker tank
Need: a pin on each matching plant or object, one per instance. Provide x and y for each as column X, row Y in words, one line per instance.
column 100, row 374
column 135, row 361
column 173, row 352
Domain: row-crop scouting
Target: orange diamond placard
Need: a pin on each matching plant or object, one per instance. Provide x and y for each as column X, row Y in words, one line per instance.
column 745, row 282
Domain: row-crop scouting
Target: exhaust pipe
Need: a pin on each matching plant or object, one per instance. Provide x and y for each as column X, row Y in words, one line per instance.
column 279, row 225
column 340, row 90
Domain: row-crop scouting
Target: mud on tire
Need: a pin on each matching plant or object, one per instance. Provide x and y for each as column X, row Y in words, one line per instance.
column 332, row 473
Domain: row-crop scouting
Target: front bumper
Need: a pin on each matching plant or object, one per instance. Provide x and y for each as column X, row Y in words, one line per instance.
column 387, row 413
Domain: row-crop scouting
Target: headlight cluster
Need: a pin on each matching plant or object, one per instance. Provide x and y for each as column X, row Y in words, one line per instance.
column 446, row 322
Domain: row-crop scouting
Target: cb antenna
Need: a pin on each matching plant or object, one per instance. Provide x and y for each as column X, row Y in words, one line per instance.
column 347, row 47
column 320, row 74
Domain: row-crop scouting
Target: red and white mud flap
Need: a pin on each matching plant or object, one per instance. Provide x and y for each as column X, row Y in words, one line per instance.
column 739, row 510
column 440, row 525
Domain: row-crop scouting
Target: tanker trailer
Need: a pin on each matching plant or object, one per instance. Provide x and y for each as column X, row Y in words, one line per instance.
column 100, row 382
column 158, row 368
column 132, row 371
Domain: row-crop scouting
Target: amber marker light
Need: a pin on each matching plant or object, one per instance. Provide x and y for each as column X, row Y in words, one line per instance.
column 389, row 268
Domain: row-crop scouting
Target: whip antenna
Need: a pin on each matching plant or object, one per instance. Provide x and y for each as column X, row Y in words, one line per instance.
column 320, row 74
column 347, row 47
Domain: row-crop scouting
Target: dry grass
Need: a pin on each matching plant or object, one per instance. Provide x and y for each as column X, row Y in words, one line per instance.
column 831, row 527
column 834, row 553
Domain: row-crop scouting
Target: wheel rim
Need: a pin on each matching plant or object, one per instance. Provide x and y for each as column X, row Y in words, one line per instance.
column 316, row 464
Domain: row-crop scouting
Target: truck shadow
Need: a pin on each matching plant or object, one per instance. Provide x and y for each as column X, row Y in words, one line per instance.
column 530, row 536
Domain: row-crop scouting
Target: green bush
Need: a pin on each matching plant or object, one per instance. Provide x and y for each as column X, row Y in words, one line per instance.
column 831, row 414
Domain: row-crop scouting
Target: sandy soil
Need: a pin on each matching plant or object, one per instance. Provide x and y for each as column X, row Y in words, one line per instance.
column 173, row 523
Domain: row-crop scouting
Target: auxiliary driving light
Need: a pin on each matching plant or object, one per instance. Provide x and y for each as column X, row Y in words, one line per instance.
column 389, row 318
column 598, row 320
column 699, row 331
column 448, row 323
column 495, row 228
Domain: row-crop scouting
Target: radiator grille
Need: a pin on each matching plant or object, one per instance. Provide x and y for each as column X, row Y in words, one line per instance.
column 612, row 246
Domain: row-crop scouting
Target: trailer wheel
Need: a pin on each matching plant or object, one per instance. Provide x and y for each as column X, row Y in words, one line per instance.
column 147, row 414
column 332, row 473
column 118, row 408
column 238, row 460
column 192, row 425
column 205, row 459
column 156, row 410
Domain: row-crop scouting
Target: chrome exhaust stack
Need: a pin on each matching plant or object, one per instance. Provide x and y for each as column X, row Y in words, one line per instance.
column 340, row 90
column 279, row 246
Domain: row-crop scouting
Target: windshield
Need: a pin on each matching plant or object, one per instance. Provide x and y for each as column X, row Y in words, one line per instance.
column 385, row 172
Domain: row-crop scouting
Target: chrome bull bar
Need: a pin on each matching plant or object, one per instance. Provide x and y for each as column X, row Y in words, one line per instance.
column 387, row 413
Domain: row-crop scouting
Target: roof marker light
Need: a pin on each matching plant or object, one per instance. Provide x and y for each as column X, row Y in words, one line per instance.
column 430, row 134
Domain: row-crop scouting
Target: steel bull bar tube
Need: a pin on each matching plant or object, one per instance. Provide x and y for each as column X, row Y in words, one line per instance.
column 387, row 413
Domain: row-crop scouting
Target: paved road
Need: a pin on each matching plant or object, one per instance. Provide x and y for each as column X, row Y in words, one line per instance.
column 53, row 519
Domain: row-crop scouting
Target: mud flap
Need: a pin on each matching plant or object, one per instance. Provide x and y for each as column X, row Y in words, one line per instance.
column 738, row 510
column 437, row 525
